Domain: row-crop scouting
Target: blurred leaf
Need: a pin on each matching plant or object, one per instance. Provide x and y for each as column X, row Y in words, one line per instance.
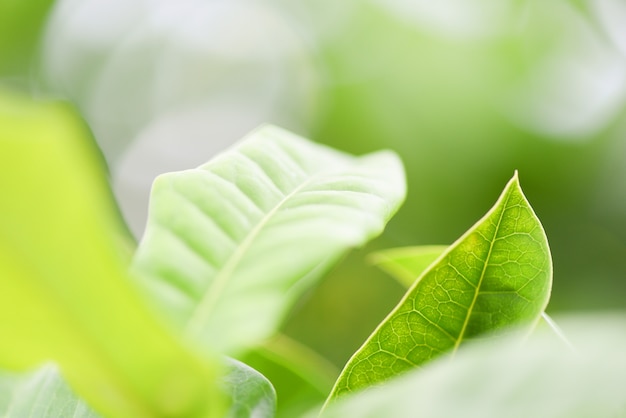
column 65, row 294
column 21, row 24
column 406, row 264
column 497, row 274
column 41, row 394
column 301, row 377
column 230, row 245
column 499, row 377
column 251, row 393
column 44, row 394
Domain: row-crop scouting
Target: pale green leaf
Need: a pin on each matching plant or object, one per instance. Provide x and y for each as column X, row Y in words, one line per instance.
column 499, row 273
column 41, row 394
column 230, row 245
column 500, row 377
column 252, row 395
column 64, row 292
column 45, row 394
column 406, row 264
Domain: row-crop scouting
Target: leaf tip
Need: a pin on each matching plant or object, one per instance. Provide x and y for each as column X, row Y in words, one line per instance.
column 514, row 182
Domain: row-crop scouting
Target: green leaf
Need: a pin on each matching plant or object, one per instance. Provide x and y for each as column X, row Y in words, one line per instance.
column 497, row 274
column 230, row 245
column 252, row 395
column 21, row 24
column 499, row 377
column 41, row 394
column 64, row 292
column 45, row 394
column 406, row 264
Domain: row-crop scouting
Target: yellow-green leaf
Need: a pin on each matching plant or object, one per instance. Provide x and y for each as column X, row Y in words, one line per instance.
column 64, row 292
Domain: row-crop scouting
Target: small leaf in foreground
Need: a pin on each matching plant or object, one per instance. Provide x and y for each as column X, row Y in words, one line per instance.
column 499, row 273
column 229, row 246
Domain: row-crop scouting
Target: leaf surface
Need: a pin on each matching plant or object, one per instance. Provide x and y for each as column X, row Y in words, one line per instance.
column 41, row 394
column 498, row 377
column 230, row 245
column 45, row 394
column 405, row 264
column 65, row 295
column 499, row 273
column 252, row 395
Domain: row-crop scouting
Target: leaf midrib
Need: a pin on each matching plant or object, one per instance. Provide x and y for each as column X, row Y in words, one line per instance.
column 482, row 276
column 208, row 302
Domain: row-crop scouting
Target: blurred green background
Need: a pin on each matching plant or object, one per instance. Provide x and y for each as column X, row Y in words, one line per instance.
column 466, row 91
